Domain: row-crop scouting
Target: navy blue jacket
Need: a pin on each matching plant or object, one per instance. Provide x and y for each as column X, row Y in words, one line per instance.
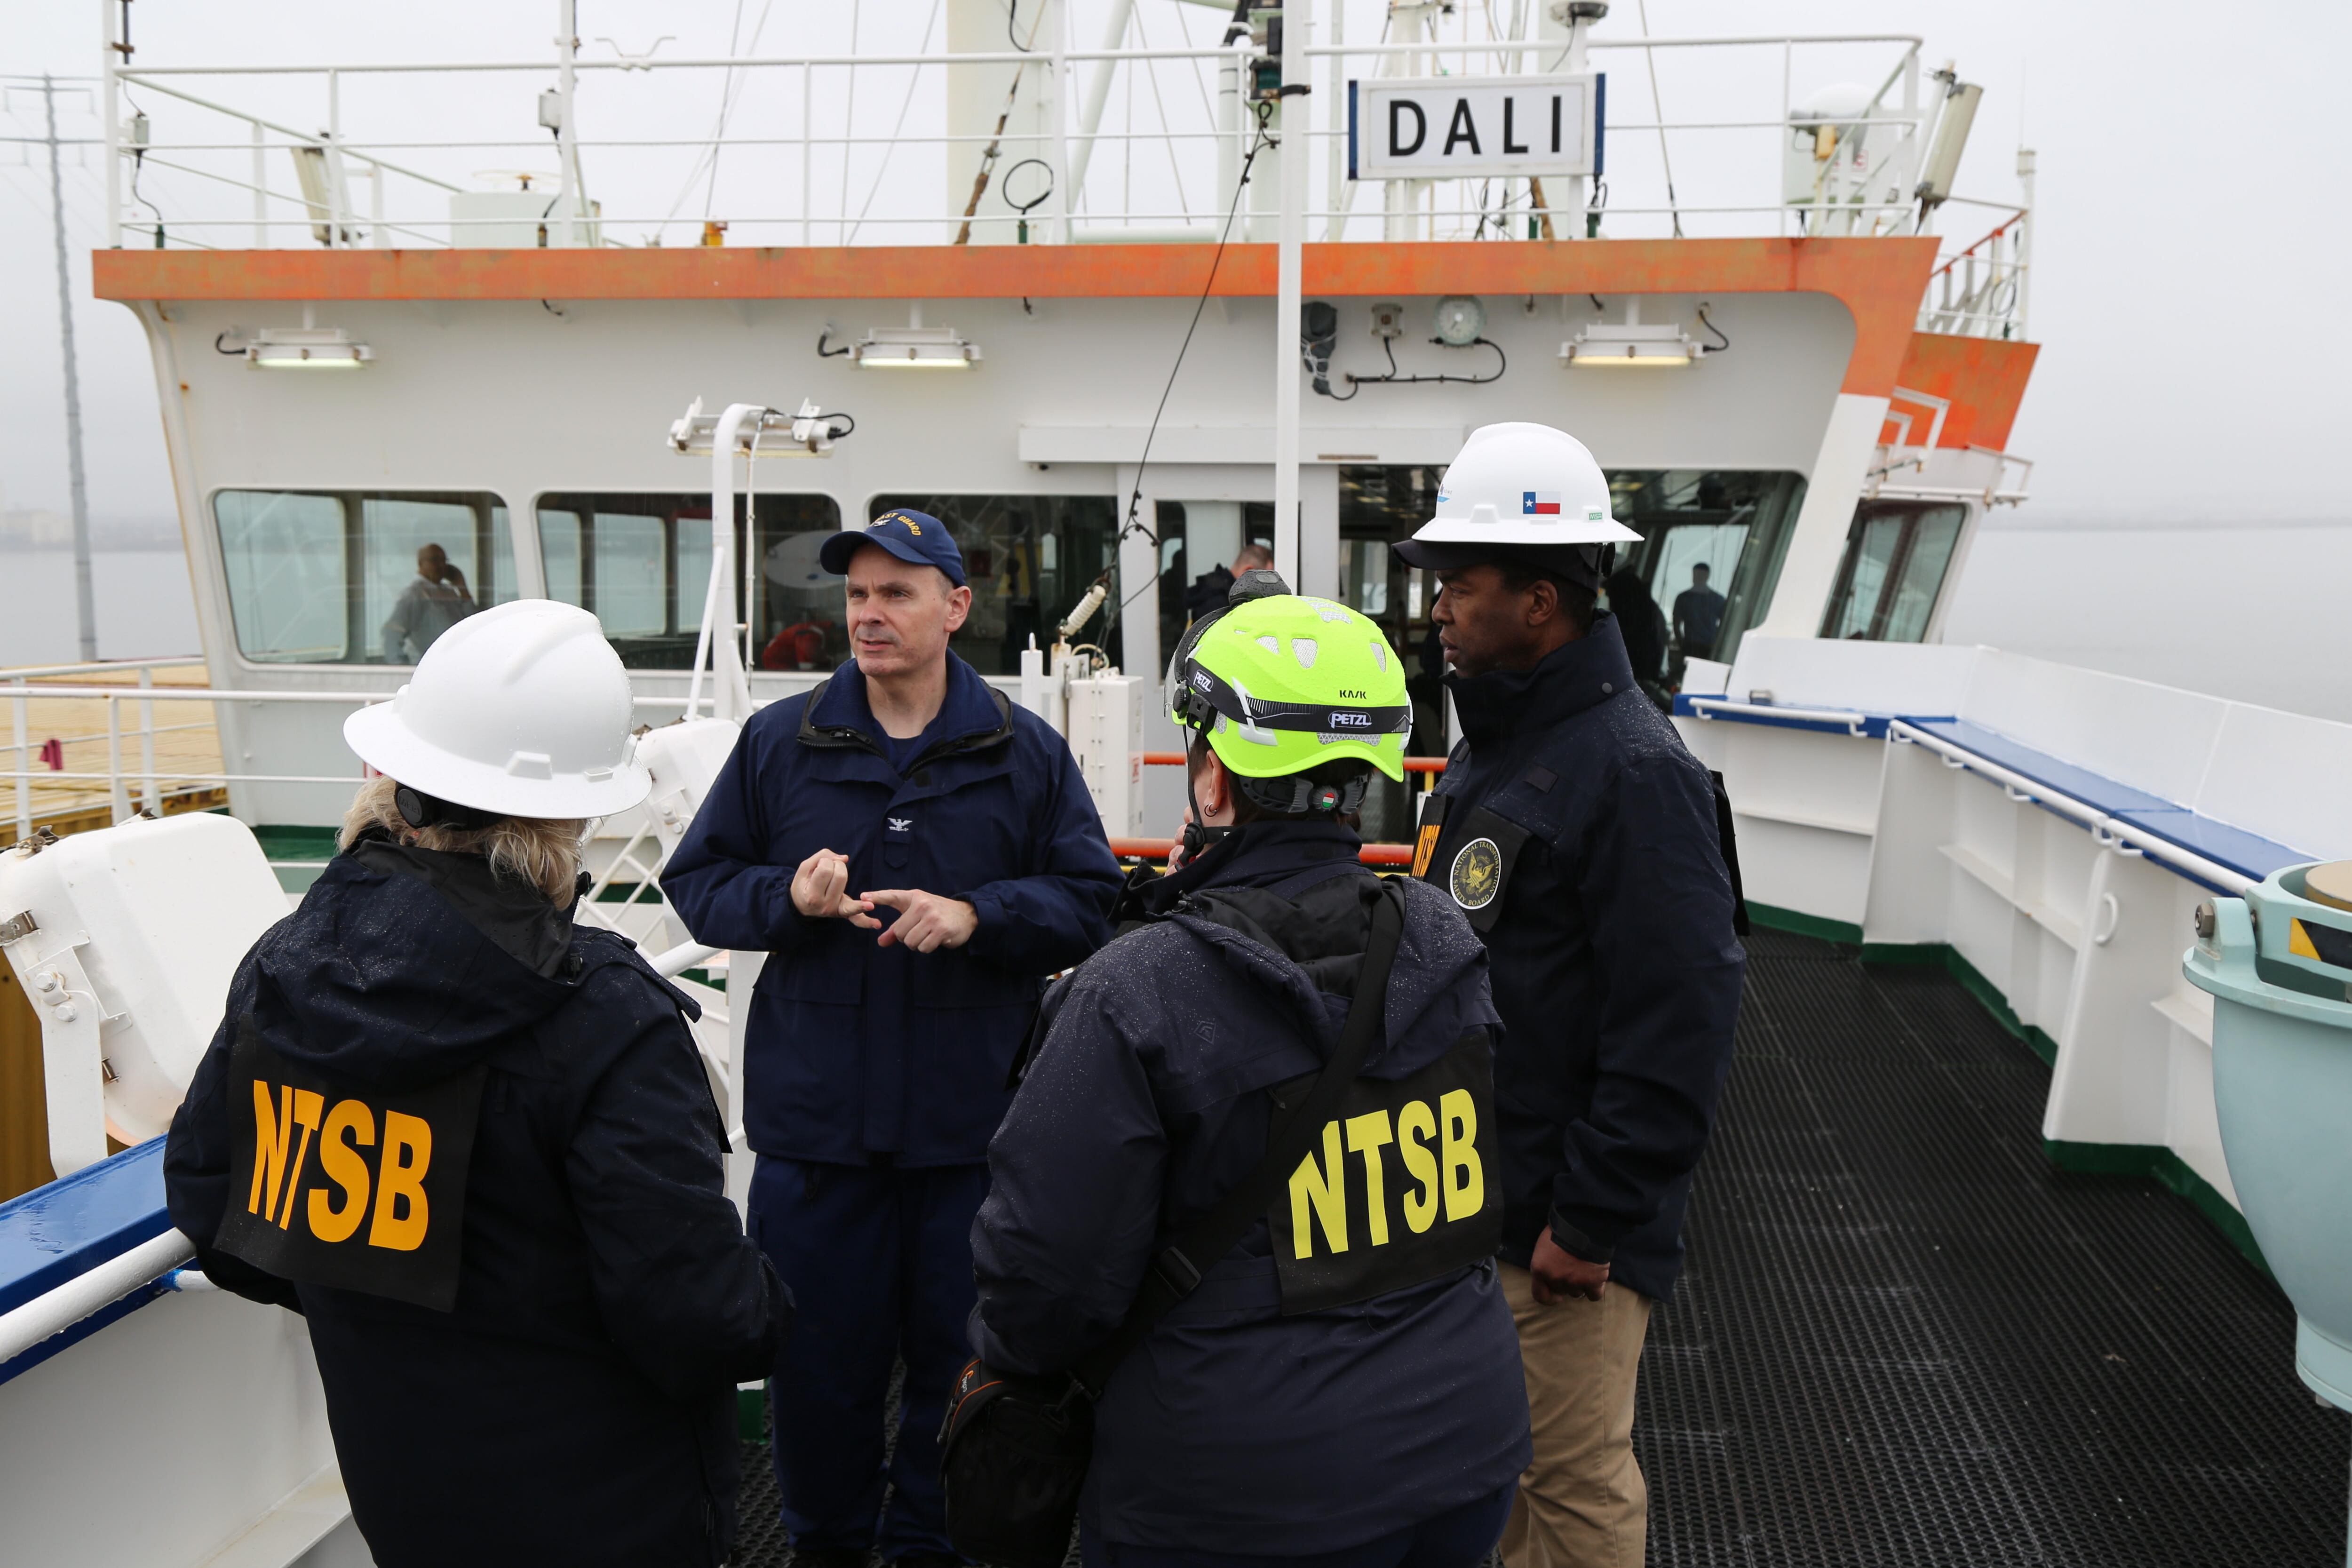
column 1234, row 1428
column 577, row 1405
column 855, row 1051
column 1615, row 967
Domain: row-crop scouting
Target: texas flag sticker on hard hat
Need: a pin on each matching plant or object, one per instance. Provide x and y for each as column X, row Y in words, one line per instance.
column 1539, row 503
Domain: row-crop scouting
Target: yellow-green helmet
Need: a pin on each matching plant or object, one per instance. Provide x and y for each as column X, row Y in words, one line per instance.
column 1281, row 684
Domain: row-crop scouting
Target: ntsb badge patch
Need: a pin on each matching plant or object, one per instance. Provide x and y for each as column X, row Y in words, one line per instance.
column 1478, row 874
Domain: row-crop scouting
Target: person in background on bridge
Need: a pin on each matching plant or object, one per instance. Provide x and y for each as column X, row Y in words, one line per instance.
column 1583, row 843
column 915, row 855
column 1208, row 592
column 1698, row 616
column 435, row 601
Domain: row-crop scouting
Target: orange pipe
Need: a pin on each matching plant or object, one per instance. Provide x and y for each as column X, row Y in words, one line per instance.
column 1158, row 850
column 1411, row 764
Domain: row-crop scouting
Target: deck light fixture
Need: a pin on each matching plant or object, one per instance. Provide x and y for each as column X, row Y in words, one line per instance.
column 915, row 347
column 1656, row 345
column 306, row 348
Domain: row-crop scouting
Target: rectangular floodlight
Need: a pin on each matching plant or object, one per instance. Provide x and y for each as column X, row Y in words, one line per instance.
column 305, row 347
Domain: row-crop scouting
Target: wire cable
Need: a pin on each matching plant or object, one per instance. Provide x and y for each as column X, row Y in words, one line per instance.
column 914, row 77
column 1135, row 498
column 1394, row 379
column 1721, row 341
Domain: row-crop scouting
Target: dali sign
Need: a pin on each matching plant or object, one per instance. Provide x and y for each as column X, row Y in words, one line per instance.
column 1436, row 128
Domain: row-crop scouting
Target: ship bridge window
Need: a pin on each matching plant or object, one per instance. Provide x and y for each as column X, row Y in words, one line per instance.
column 1896, row 558
column 1199, row 542
column 325, row 576
column 641, row 564
column 1029, row 559
column 1735, row 523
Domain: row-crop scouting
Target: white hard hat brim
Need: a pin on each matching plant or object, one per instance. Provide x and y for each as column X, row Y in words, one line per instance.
column 389, row 746
column 1525, row 535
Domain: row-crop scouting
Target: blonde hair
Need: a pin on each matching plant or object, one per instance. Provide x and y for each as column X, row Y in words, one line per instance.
column 545, row 853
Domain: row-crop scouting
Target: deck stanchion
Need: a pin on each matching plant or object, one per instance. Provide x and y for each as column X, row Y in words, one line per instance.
column 18, row 704
column 260, row 190
column 150, row 799
column 119, row 795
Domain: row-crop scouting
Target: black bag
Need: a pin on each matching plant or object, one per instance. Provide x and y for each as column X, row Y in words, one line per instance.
column 1015, row 1449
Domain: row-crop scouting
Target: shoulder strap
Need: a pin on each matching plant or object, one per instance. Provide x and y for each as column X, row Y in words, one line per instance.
column 1726, row 838
column 1178, row 1269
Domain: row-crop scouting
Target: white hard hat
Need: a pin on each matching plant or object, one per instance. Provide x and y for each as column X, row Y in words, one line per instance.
column 523, row 710
column 1528, row 486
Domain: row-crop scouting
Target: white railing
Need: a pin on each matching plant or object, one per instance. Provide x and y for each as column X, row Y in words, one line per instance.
column 2108, row 831
column 60, row 1307
column 633, row 867
column 1982, row 291
column 1142, row 138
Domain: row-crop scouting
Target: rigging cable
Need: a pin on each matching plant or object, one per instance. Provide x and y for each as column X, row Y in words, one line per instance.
column 913, row 78
column 996, row 145
column 1134, row 523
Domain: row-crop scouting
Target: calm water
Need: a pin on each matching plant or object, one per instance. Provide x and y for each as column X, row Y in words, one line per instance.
column 144, row 607
column 2250, row 612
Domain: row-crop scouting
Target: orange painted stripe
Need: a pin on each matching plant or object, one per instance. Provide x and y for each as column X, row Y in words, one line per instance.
column 1176, row 760
column 1879, row 280
column 1159, row 848
column 1984, row 378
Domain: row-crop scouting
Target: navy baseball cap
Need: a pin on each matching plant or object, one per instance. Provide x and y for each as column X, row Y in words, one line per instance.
column 915, row 537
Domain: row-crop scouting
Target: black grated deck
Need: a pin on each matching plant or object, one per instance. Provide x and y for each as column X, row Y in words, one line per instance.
column 1904, row 1338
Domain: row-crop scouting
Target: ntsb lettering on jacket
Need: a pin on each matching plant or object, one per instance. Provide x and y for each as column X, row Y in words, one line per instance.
column 332, row 1184
column 1396, row 1189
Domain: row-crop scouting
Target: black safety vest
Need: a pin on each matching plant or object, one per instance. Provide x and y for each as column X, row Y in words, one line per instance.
column 335, row 1184
column 1397, row 1189
column 1394, row 1189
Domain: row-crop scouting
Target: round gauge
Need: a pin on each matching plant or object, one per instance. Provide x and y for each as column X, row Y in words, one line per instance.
column 1460, row 320
column 790, row 565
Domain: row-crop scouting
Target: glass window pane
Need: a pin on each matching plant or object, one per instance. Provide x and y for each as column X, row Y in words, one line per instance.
column 421, row 570
column 284, row 557
column 1934, row 532
column 1895, row 559
column 1364, row 575
column 355, row 577
column 1870, row 556
column 559, row 553
column 1029, row 559
column 628, row 567
column 641, row 564
column 797, row 616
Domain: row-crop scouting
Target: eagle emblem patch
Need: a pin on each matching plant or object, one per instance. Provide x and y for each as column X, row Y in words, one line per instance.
column 1478, row 874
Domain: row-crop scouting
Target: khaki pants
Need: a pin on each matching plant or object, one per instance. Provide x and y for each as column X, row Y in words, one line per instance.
column 1582, row 1502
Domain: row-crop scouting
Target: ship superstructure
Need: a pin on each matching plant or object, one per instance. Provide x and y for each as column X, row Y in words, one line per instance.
column 1146, row 282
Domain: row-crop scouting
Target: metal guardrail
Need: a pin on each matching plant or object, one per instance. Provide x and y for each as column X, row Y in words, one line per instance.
column 149, row 775
column 56, row 1310
column 408, row 187
column 2110, row 831
column 1707, row 708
